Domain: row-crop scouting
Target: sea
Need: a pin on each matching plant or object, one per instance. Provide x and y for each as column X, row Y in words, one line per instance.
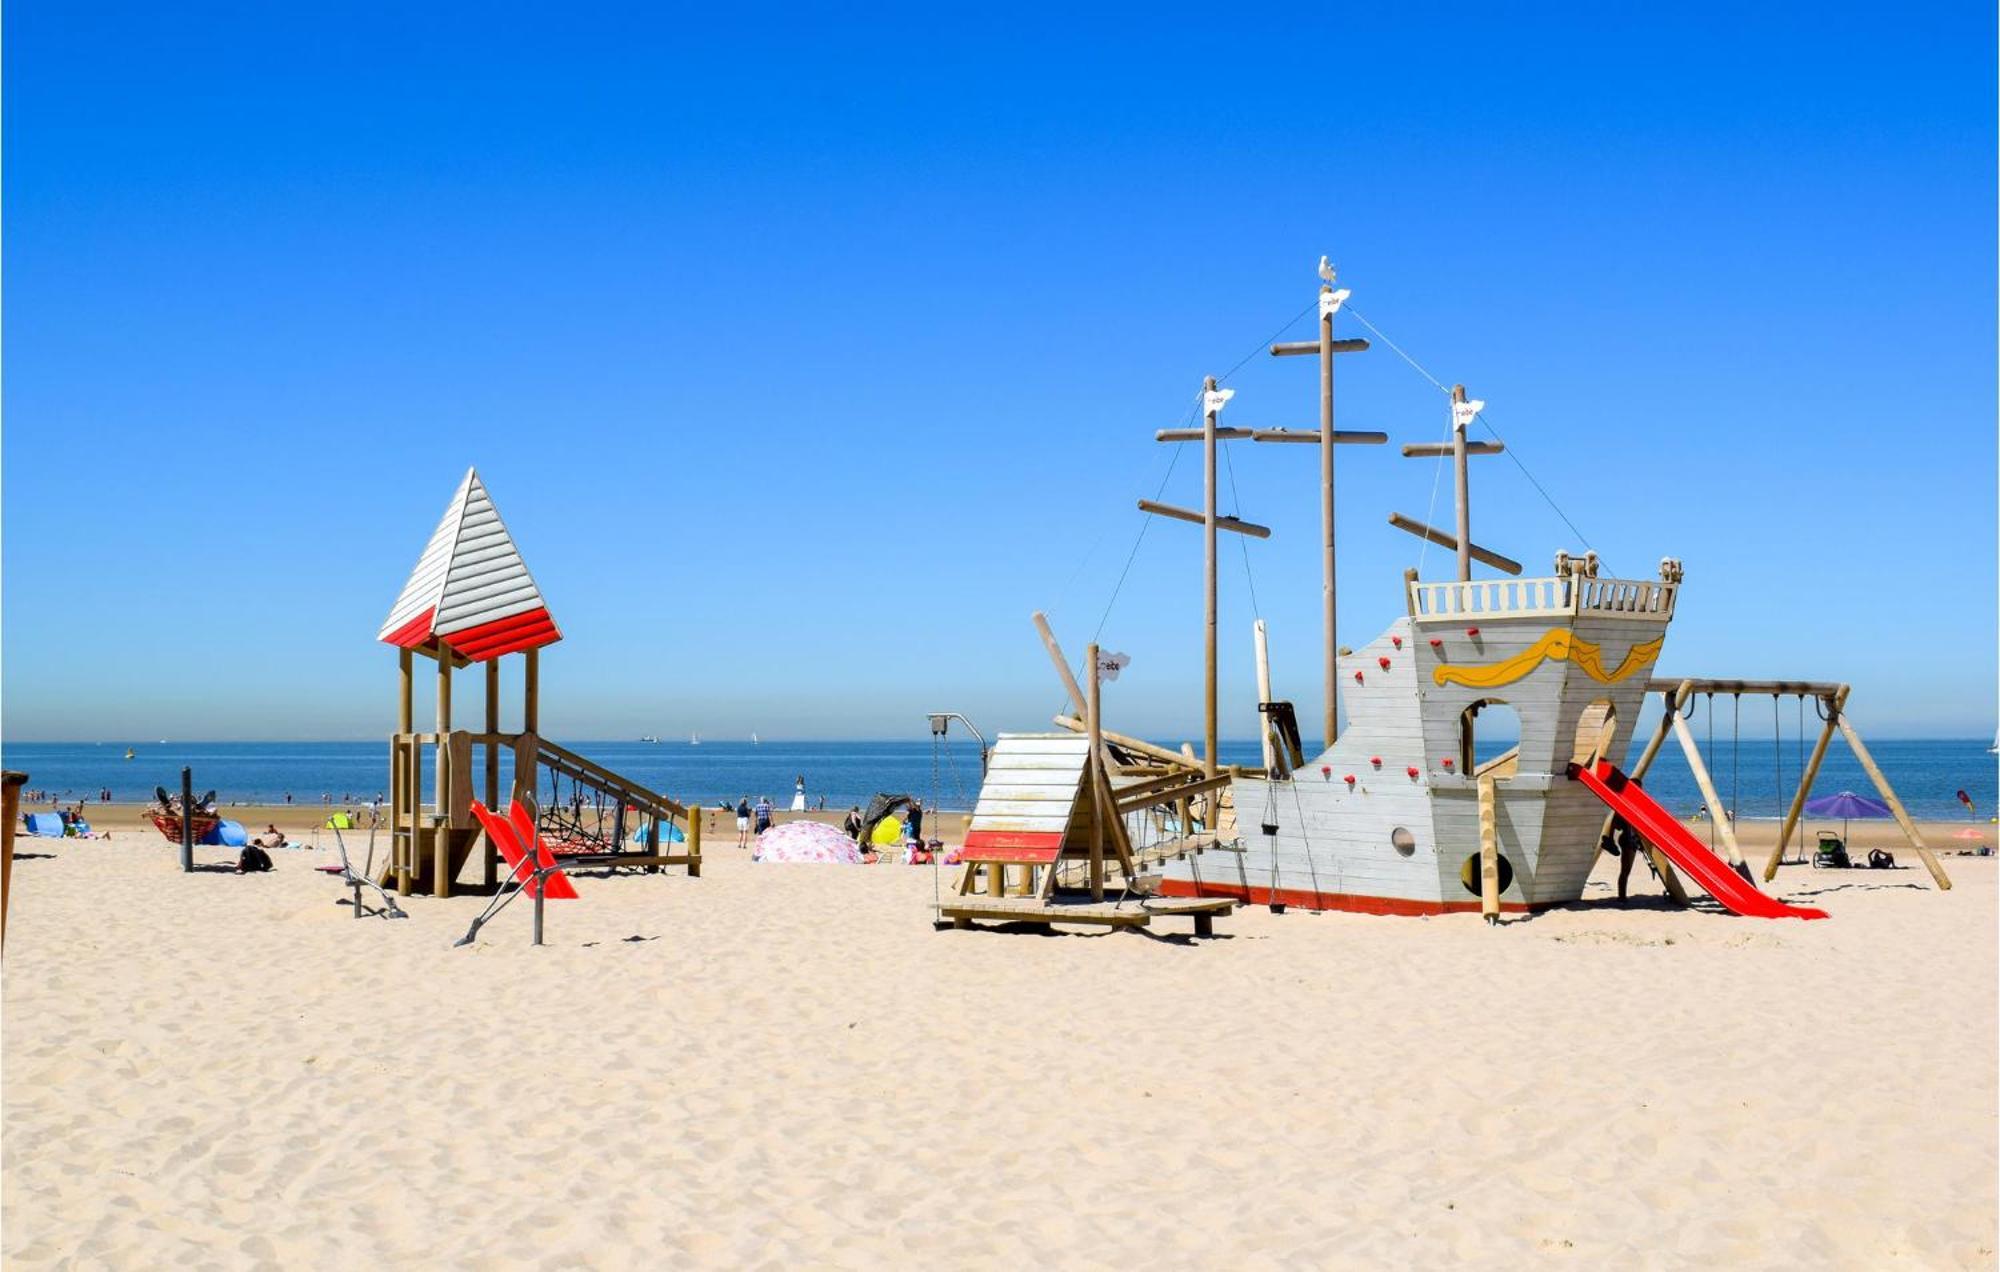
column 1927, row 774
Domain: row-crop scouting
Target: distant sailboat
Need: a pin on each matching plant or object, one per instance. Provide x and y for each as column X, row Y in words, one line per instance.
column 130, row 753
column 694, row 739
column 753, row 739
column 649, row 738
column 1995, row 748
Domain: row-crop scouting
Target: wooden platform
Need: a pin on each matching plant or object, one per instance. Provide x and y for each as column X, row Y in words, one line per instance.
column 1132, row 913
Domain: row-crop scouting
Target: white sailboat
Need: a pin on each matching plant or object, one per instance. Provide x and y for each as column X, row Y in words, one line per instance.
column 753, row 739
column 694, row 739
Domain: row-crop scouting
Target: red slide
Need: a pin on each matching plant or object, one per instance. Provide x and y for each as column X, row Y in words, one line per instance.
column 1659, row 828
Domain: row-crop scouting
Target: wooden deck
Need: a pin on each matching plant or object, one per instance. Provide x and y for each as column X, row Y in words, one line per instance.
column 1130, row 914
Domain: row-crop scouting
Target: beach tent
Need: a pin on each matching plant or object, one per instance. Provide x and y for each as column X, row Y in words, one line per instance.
column 806, row 842
column 887, row 833
column 340, row 821
column 884, row 808
column 231, row 834
column 669, row 834
column 44, row 825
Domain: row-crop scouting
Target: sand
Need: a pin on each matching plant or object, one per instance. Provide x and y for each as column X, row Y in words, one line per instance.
column 781, row 1066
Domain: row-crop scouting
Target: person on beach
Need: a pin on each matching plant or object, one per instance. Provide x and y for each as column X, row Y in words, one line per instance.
column 743, row 822
column 799, row 795
column 269, row 837
column 1623, row 843
column 852, row 823
column 915, row 821
column 763, row 813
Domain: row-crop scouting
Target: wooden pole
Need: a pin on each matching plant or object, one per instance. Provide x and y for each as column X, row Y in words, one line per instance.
column 531, row 693
column 1833, row 706
column 1664, row 868
column 1461, row 485
column 1489, row 852
column 413, row 790
column 1860, row 749
column 695, row 816
column 1062, row 664
column 1095, row 775
column 1207, row 577
column 1330, row 657
column 1714, row 801
column 490, row 866
column 1258, row 635
column 441, row 843
column 187, row 820
column 406, row 689
column 10, row 813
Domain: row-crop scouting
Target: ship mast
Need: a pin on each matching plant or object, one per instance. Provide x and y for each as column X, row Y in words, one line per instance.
column 1463, row 412
column 1330, row 301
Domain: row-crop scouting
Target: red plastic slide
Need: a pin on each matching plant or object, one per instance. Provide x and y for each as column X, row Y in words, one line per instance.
column 1659, row 828
column 507, row 838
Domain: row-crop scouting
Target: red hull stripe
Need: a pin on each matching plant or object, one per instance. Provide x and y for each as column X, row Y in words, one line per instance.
column 505, row 636
column 1351, row 902
column 413, row 633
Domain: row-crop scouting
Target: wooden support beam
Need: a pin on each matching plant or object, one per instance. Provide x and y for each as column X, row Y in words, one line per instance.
column 1860, row 749
column 1199, row 435
column 1137, row 746
column 1299, row 348
column 1833, row 703
column 695, row 818
column 1132, row 799
column 1506, row 565
column 1232, row 524
column 1489, row 852
column 1062, row 665
column 531, row 693
column 489, row 870
column 1708, row 794
column 1669, row 879
column 1343, row 437
column 1094, row 771
column 1433, row 450
column 10, row 815
column 1803, row 688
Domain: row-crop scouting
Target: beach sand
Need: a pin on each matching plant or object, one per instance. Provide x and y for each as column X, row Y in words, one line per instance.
column 780, row 1066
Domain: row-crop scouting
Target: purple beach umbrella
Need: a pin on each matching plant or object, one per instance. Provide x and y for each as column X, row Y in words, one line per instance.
column 1846, row 806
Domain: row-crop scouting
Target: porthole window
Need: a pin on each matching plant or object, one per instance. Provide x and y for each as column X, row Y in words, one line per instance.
column 1404, row 842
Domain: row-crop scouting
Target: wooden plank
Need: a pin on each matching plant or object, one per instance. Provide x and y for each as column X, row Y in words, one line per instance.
column 1137, row 746
column 1341, row 436
column 1062, row 664
column 1489, row 853
column 1432, row 450
column 1432, row 535
column 1233, row 524
column 1197, row 435
column 1026, row 809
column 1063, row 792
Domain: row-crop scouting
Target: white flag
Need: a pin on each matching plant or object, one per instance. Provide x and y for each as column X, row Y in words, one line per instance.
column 1213, row 400
column 1109, row 665
column 1331, row 301
column 1463, row 413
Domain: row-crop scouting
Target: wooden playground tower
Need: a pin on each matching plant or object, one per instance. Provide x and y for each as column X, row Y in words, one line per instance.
column 469, row 600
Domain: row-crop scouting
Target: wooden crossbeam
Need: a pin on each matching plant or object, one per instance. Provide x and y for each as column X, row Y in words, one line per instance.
column 1232, row 524
column 1200, row 435
column 1132, row 802
column 1298, row 348
column 1344, row 436
column 1506, row 565
column 1432, row 450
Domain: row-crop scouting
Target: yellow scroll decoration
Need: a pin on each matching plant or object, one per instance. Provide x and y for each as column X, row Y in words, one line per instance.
column 1554, row 646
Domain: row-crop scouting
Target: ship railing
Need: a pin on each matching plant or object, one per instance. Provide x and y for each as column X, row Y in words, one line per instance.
column 1563, row 597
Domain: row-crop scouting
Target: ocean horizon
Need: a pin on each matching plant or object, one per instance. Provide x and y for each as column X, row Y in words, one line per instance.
column 1927, row 773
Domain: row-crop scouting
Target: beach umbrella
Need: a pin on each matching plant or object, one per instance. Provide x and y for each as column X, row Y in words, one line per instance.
column 1848, row 807
column 807, row 842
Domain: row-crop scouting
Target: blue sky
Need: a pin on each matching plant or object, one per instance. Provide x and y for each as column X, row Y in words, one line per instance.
column 806, row 356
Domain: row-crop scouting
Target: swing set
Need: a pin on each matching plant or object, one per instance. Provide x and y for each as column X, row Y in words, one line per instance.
column 1829, row 701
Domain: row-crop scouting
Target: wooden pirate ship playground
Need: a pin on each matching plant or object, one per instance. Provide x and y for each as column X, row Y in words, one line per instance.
column 1403, row 811
column 471, row 600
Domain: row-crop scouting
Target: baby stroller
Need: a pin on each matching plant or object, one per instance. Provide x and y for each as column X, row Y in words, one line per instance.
column 1831, row 853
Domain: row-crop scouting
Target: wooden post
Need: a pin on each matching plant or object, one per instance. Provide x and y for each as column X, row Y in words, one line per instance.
column 1461, row 484
column 10, row 814
column 413, row 787
column 1833, row 707
column 695, row 817
column 531, row 693
column 1329, row 659
column 1714, row 801
column 1093, row 769
column 1258, row 636
column 1860, row 749
column 1661, row 866
column 1207, row 578
column 489, row 870
column 406, row 684
column 441, row 842
column 1489, row 852
column 187, row 820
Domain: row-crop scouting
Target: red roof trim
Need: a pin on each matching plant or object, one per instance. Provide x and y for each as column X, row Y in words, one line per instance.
column 413, row 633
column 508, row 635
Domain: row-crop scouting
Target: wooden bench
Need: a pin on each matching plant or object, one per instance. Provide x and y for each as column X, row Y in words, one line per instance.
column 1130, row 914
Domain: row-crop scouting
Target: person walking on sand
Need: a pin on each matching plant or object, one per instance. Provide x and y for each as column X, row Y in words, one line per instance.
column 763, row 813
column 852, row 823
column 743, row 822
column 1623, row 843
column 916, row 820
column 799, row 795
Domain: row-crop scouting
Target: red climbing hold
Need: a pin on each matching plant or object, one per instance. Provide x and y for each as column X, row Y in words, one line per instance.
column 1397, row 641
column 1412, row 770
column 1436, row 643
column 1349, row 779
column 1384, row 662
column 1472, row 631
column 1376, row 760
column 1447, row 763
column 1357, row 679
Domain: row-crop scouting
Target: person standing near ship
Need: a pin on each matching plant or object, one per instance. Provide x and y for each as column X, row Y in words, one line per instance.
column 763, row 813
column 799, row 794
column 743, row 822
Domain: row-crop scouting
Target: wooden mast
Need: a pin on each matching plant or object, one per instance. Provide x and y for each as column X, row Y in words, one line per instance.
column 1463, row 412
column 1461, row 481
column 1209, row 407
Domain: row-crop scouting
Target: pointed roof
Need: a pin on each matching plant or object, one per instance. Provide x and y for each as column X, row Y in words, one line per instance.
column 471, row 590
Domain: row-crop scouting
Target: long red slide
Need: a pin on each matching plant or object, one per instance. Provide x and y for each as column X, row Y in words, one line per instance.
column 1659, row 828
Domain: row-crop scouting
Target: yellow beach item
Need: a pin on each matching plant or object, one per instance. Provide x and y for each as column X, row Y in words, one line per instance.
column 1554, row 646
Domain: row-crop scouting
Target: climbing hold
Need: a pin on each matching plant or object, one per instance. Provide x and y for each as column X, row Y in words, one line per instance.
column 1349, row 779
column 1376, row 760
column 1412, row 770
column 1472, row 631
column 1436, row 643
column 1397, row 641
column 1447, row 763
column 1326, row 772
column 1384, row 662
column 1357, row 679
